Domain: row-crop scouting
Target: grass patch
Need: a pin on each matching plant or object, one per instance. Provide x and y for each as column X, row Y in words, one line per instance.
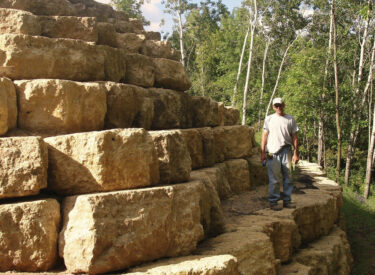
column 360, row 227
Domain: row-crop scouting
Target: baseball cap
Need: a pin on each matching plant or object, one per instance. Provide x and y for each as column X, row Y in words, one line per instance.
column 277, row 100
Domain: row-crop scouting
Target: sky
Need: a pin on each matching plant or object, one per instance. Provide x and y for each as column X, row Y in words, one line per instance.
column 153, row 12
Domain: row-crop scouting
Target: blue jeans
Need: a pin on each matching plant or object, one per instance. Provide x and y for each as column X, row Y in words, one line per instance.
column 279, row 172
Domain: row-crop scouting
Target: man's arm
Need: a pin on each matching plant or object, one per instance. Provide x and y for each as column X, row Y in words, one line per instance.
column 295, row 158
column 263, row 146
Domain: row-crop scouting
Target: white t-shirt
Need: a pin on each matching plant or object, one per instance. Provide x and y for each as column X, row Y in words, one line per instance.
column 280, row 131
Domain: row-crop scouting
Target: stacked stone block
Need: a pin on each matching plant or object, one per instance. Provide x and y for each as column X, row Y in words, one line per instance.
column 96, row 123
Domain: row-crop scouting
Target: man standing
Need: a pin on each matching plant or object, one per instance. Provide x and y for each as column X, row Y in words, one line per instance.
column 279, row 135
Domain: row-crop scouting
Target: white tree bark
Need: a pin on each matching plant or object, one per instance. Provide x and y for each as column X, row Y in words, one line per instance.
column 245, row 92
column 240, row 66
column 278, row 76
column 370, row 153
column 263, row 81
column 181, row 33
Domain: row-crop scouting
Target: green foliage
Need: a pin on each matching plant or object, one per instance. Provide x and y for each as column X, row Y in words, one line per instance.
column 131, row 7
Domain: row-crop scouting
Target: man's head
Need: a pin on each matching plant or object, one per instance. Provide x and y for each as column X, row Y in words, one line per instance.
column 278, row 105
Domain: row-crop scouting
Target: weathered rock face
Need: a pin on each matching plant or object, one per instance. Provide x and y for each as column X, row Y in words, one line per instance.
column 258, row 173
column 208, row 144
column 232, row 142
column 231, row 116
column 17, row 21
column 101, row 161
column 60, row 106
column 329, row 255
column 59, row 59
column 140, row 70
column 41, row 7
column 159, row 49
column 194, row 144
column 241, row 244
column 212, row 218
column 206, row 112
column 8, row 105
column 106, row 34
column 173, row 155
column 192, row 265
column 82, row 28
column 218, row 175
column 23, row 163
column 171, row 74
column 131, row 42
column 28, row 235
column 171, row 109
column 101, row 232
column 101, row 11
column 238, row 175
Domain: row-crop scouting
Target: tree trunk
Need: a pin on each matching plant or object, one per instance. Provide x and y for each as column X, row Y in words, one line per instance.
column 240, row 66
column 278, row 76
column 246, row 88
column 263, row 80
column 181, row 34
column 337, row 99
column 357, row 110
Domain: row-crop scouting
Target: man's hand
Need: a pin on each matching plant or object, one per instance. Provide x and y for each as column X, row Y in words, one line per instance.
column 295, row 158
column 262, row 157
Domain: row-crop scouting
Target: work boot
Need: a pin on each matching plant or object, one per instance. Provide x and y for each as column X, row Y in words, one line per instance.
column 288, row 204
column 276, row 207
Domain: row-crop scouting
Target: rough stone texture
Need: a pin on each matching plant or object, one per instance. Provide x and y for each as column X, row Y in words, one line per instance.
column 205, row 112
column 101, row 161
column 218, row 175
column 171, row 109
column 8, row 105
column 194, row 144
column 83, row 28
column 23, row 163
column 315, row 214
column 140, row 70
column 253, row 250
column 101, row 232
column 128, row 26
column 60, row 106
column 231, row 116
column 28, row 235
column 17, row 21
column 102, row 12
column 233, row 142
column 59, row 58
column 171, row 74
column 131, row 42
column 151, row 35
column 192, row 265
column 208, row 142
column 159, row 49
column 212, row 218
column 124, row 105
column 238, row 175
column 258, row 173
column 173, row 154
column 329, row 255
column 107, row 34
column 41, row 7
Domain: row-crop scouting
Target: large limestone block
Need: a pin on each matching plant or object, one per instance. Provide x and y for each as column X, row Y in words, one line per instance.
column 219, row 176
column 208, row 142
column 107, row 34
column 131, row 42
column 103, row 12
column 140, row 70
column 173, row 155
column 205, row 112
column 315, row 214
column 28, row 235
column 111, row 231
column 41, row 7
column 59, row 59
column 128, row 26
column 329, row 255
column 60, row 106
column 83, row 28
column 212, row 218
column 128, row 107
column 8, row 105
column 194, row 144
column 258, row 172
column 23, row 163
column 152, row 35
column 101, row 161
column 171, row 74
column 17, row 21
column 233, row 142
column 171, row 109
column 238, row 175
column 231, row 116
column 159, row 49
column 253, row 250
column 192, row 265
